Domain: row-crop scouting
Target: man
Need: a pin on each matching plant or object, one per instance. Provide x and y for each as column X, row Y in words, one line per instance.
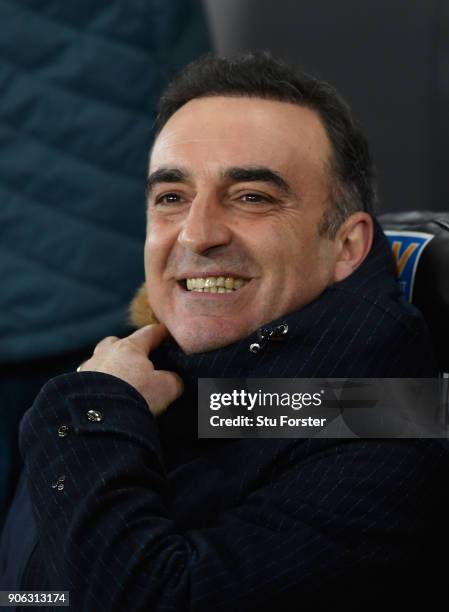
column 260, row 228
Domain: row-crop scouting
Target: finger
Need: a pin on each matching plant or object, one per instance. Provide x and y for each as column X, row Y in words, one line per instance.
column 172, row 386
column 80, row 367
column 149, row 337
column 175, row 384
column 83, row 366
column 105, row 342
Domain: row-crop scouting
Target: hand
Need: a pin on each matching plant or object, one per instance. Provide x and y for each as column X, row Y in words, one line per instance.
column 127, row 358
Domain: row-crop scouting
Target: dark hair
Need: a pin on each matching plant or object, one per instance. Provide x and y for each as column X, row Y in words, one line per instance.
column 260, row 75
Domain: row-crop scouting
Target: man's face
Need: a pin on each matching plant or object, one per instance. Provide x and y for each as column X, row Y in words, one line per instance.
column 237, row 189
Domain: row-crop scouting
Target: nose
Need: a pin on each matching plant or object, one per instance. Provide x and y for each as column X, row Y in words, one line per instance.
column 205, row 226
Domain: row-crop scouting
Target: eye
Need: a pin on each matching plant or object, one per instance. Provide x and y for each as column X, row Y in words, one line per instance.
column 255, row 198
column 168, row 198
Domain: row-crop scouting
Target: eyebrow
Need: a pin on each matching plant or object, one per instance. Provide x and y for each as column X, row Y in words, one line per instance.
column 262, row 174
column 236, row 174
column 166, row 175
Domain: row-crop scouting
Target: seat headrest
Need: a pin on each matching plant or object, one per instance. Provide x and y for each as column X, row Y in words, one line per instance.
column 420, row 244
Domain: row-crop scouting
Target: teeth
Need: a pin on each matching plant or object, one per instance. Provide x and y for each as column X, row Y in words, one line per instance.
column 215, row 284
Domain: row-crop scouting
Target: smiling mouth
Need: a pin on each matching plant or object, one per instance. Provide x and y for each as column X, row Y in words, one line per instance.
column 214, row 284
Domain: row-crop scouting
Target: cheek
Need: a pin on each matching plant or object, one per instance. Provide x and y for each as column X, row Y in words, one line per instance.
column 157, row 246
column 153, row 273
column 299, row 262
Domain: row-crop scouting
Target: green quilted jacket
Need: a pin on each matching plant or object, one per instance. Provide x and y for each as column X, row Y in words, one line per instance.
column 79, row 82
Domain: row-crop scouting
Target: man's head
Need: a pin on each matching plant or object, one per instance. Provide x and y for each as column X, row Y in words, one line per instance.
column 258, row 175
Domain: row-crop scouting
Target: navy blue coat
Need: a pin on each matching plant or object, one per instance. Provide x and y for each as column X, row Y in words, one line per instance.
column 151, row 518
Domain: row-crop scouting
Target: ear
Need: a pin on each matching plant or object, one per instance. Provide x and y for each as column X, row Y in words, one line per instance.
column 352, row 243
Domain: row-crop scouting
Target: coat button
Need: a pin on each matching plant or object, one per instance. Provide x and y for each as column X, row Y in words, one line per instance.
column 63, row 431
column 95, row 416
column 59, row 483
column 282, row 330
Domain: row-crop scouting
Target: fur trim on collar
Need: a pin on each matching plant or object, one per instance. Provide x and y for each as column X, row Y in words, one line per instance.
column 139, row 312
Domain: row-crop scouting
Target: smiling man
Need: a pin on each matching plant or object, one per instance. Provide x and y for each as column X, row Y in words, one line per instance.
column 235, row 213
column 262, row 259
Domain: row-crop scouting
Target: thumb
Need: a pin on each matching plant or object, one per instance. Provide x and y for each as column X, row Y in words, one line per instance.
column 149, row 337
column 165, row 388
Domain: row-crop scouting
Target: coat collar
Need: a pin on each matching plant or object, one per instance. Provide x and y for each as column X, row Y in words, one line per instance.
column 348, row 331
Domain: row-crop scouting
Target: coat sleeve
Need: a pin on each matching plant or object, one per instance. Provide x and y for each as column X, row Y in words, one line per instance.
column 98, row 488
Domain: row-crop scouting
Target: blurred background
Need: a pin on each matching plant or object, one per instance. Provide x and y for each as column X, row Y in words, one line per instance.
column 79, row 81
column 388, row 58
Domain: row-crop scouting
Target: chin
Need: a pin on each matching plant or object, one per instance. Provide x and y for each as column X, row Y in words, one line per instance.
column 205, row 340
column 201, row 345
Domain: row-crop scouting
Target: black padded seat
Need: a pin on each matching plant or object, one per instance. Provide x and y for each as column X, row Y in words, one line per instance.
column 420, row 244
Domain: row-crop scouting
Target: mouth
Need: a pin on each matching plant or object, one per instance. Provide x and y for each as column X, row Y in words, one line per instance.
column 213, row 284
